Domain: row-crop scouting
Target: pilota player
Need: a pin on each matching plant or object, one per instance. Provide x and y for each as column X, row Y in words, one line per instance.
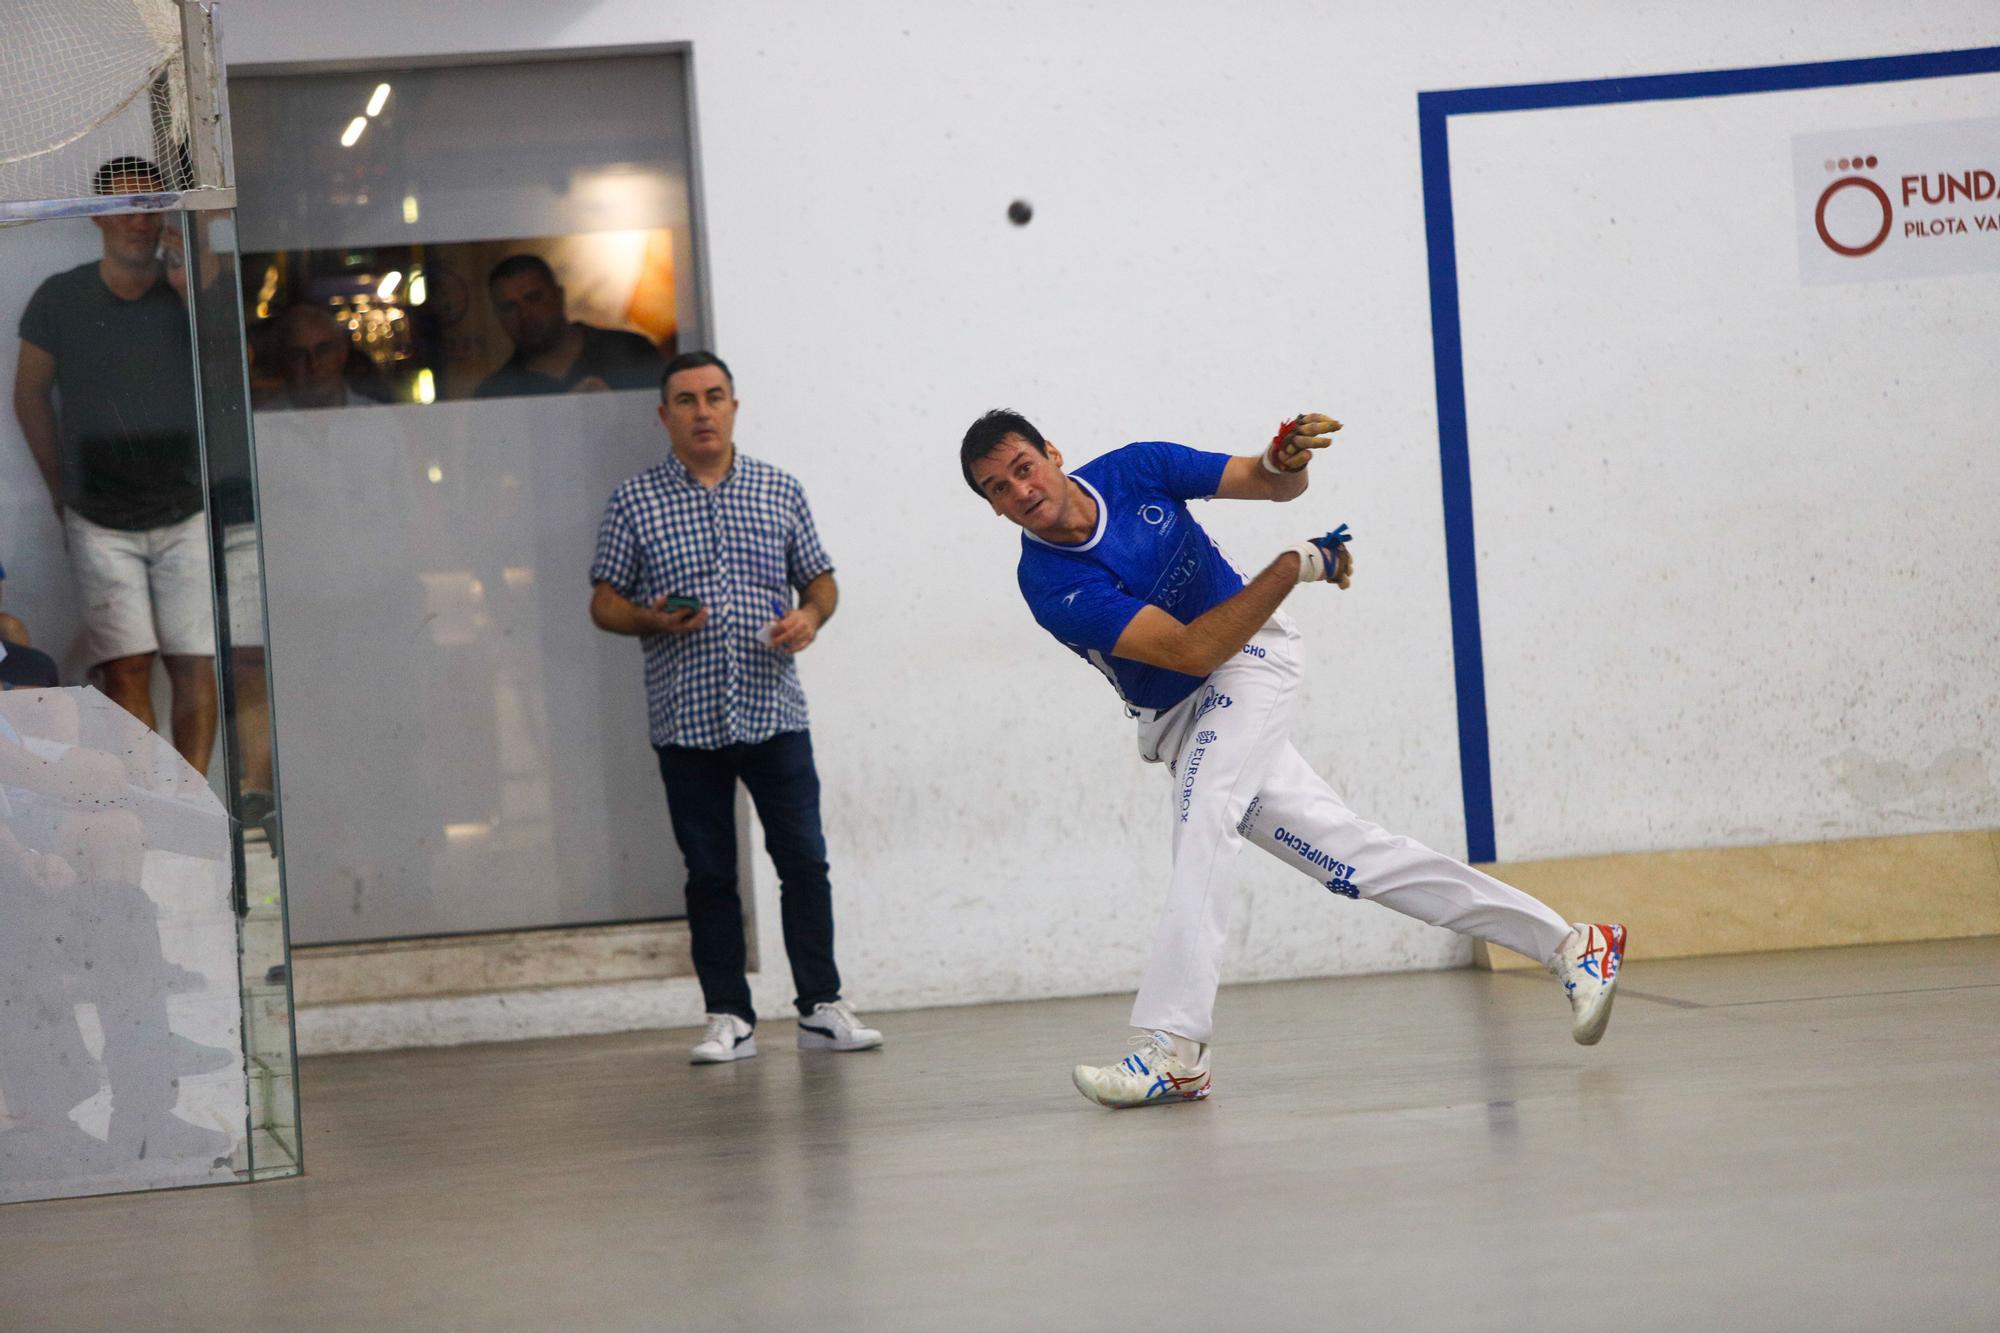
column 1115, row 566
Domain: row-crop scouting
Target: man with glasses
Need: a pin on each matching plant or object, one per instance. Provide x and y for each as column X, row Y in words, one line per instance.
column 313, row 353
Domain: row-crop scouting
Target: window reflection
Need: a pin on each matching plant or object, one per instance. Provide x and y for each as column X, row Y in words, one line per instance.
column 348, row 327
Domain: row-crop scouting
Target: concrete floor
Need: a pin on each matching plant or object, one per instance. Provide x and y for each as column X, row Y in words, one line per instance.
column 1792, row 1141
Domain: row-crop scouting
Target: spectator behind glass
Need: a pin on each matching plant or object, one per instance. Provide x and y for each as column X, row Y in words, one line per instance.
column 11, row 629
column 22, row 667
column 110, row 339
column 552, row 353
column 313, row 355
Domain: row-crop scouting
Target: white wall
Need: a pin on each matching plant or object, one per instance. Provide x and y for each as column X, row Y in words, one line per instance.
column 1737, row 533
column 1229, row 227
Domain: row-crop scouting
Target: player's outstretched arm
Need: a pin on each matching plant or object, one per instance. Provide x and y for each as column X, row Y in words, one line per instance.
column 1218, row 634
column 1278, row 472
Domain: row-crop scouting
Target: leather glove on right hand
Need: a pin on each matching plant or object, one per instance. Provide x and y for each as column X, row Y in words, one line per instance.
column 1292, row 447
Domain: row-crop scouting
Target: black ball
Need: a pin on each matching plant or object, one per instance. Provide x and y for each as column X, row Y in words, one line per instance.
column 1019, row 212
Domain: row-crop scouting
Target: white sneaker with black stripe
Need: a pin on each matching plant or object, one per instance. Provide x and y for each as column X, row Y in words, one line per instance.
column 728, row 1038
column 834, row 1026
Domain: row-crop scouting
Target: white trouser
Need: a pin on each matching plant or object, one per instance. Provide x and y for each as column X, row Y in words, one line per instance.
column 1237, row 777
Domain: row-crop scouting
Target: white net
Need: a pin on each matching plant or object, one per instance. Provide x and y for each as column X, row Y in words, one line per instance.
column 85, row 82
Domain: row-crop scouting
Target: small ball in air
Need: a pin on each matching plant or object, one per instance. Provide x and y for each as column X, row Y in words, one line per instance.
column 1020, row 212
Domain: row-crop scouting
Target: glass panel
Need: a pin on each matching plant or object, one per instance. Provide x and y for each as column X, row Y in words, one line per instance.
column 435, row 449
column 120, row 1048
column 243, row 670
column 122, row 1006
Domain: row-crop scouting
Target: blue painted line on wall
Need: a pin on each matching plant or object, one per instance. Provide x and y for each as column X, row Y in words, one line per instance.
column 1434, row 112
column 1455, row 464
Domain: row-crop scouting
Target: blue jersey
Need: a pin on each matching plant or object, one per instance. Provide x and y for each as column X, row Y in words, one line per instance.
column 1147, row 551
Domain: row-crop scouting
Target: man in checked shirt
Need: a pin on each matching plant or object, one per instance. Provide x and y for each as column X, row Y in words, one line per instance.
column 699, row 556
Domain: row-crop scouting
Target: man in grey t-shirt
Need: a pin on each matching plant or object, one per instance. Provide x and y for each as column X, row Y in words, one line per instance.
column 106, row 398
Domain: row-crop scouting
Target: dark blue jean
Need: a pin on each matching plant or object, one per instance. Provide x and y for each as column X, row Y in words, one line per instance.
column 701, row 802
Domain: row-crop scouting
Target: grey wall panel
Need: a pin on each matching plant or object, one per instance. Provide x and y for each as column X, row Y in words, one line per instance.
column 463, row 750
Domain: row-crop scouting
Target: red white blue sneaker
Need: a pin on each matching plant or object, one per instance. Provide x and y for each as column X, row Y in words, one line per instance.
column 1587, row 965
column 1154, row 1074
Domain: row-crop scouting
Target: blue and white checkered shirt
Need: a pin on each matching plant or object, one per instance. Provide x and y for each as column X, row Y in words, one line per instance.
column 742, row 547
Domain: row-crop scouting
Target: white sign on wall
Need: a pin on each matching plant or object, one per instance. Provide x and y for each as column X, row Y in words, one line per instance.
column 1903, row 201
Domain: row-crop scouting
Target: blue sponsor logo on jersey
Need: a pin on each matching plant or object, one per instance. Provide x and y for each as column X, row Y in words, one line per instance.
column 1176, row 581
column 1253, row 650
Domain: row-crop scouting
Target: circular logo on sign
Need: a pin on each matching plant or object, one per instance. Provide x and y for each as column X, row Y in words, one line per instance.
column 1826, row 197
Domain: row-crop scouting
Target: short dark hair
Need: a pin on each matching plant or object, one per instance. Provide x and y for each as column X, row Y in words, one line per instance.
column 105, row 178
column 986, row 434
column 297, row 313
column 694, row 361
column 514, row 265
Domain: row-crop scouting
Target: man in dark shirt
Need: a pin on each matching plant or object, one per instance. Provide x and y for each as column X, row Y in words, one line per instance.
column 11, row 629
column 552, row 353
column 110, row 340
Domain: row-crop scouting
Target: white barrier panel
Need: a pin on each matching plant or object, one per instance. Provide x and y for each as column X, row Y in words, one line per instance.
column 121, row 1051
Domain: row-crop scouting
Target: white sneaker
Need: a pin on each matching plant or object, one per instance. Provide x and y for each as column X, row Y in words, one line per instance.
column 1152, row 1075
column 834, row 1026
column 728, row 1038
column 1587, row 965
